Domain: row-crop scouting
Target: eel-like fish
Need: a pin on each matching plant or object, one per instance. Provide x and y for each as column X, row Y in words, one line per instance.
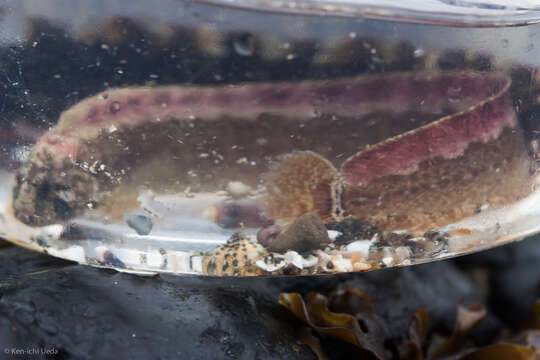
column 403, row 150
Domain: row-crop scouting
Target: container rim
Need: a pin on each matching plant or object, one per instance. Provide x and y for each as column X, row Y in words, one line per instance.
column 464, row 13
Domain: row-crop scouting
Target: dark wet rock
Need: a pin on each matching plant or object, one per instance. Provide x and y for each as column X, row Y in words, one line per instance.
column 91, row 313
column 15, row 261
column 87, row 312
column 306, row 233
column 142, row 224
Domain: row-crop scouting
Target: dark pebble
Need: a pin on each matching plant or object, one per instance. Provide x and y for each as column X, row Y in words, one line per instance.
column 266, row 235
column 306, row 233
column 140, row 223
column 109, row 258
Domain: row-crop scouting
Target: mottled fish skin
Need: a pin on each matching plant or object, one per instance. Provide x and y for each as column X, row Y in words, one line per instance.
column 299, row 183
column 487, row 113
column 424, row 178
column 82, row 144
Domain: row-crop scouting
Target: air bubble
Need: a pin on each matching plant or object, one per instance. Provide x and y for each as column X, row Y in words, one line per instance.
column 419, row 52
column 454, row 94
column 244, row 45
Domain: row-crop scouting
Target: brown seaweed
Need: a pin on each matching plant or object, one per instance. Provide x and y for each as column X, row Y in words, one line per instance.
column 418, row 331
column 501, row 352
column 315, row 312
column 467, row 318
column 349, row 315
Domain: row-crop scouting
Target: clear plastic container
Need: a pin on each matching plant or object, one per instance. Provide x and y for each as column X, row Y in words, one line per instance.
column 250, row 137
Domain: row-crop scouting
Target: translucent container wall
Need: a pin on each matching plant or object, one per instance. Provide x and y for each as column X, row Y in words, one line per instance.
column 237, row 139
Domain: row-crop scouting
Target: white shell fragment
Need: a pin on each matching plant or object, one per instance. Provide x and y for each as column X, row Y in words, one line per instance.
column 340, row 264
column 360, row 246
column 292, row 257
column 334, row 234
column 269, row 267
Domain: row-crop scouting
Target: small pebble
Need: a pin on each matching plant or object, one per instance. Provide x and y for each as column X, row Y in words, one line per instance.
column 238, row 189
column 306, row 233
column 106, row 257
column 361, row 246
column 388, row 261
column 292, row 257
column 310, row 261
column 340, row 264
column 322, row 256
column 403, row 253
column 361, row 266
column 140, row 223
column 334, row 234
column 267, row 234
column 261, row 264
column 291, row 270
